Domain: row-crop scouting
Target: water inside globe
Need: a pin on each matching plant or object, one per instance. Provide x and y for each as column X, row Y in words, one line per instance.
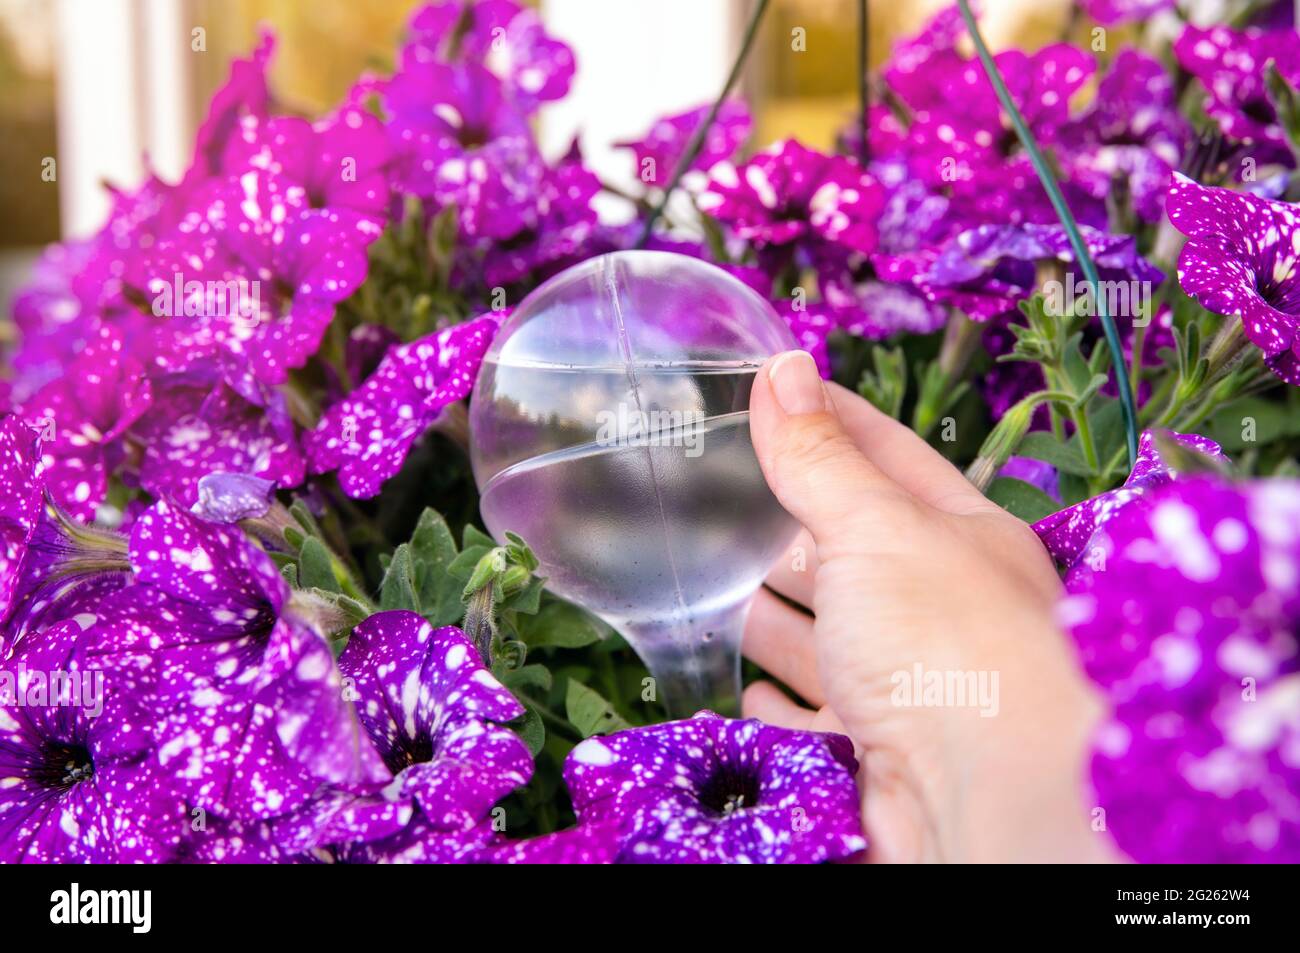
column 610, row 430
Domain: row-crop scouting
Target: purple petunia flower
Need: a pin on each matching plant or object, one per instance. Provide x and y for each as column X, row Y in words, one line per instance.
column 792, row 195
column 79, row 782
column 83, row 417
column 1037, row 473
column 553, row 230
column 811, row 326
column 1230, row 65
column 54, row 324
column 879, row 309
column 197, row 426
column 914, row 215
column 986, row 271
column 51, row 568
column 967, row 125
column 249, row 703
column 435, row 715
column 21, row 505
column 717, row 790
column 1069, row 534
column 340, row 161
column 1191, row 629
column 584, row 844
column 508, row 38
column 224, row 841
column 1133, row 130
column 458, row 139
column 945, row 122
column 245, row 94
column 659, row 151
column 1242, row 259
column 253, row 274
column 367, row 435
column 917, row 62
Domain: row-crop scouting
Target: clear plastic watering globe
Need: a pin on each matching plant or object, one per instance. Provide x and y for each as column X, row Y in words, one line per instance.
column 611, row 431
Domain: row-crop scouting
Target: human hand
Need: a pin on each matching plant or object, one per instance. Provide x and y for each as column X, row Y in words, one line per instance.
column 902, row 563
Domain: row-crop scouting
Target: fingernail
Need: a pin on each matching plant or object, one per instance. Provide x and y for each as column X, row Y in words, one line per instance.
column 797, row 384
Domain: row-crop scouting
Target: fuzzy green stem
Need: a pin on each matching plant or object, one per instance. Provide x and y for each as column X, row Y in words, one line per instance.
column 1135, row 365
column 1229, row 344
column 480, row 625
column 1089, row 446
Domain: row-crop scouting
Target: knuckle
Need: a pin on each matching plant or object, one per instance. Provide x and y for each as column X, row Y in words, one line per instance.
column 816, row 446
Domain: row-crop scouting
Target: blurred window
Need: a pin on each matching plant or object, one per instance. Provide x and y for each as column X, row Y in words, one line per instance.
column 29, row 205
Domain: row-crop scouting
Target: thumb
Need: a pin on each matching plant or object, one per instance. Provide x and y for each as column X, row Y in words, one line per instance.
column 813, row 466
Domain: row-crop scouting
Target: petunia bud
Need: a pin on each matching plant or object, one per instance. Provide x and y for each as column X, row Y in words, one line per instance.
column 1003, row 441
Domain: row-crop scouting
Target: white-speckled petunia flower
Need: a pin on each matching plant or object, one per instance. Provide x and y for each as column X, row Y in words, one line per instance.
column 367, row 435
column 718, row 790
column 78, row 779
column 1242, row 259
column 251, row 712
column 435, row 715
column 51, row 567
column 1190, row 629
column 1069, row 533
column 83, row 417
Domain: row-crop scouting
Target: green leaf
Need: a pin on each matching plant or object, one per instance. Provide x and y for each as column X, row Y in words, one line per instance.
column 716, row 238
column 283, row 559
column 397, row 591
column 298, row 510
column 531, row 730
column 590, row 713
column 473, row 536
column 886, row 385
column 1067, row 458
column 315, row 566
column 462, row 567
column 1265, row 420
column 432, row 550
column 1107, row 420
column 1021, row 499
column 351, row 608
column 561, row 625
column 294, row 537
column 474, row 545
column 1090, row 390
column 289, row 572
column 1077, row 371
column 520, row 552
column 528, row 599
column 528, row 677
column 1073, row 489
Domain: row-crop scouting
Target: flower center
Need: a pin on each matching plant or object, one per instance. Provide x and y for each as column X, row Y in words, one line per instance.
column 61, row 766
column 416, row 751
column 1259, row 109
column 1279, row 284
column 730, row 791
column 473, row 136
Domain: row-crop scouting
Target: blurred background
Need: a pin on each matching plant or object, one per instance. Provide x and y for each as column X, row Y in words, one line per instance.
column 89, row 88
